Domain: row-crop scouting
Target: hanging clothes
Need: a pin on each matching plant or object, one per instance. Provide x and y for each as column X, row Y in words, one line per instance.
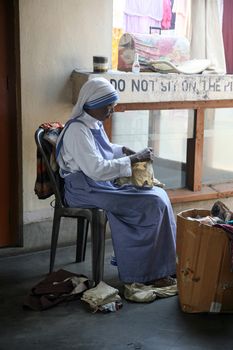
column 167, row 14
column 173, row 19
column 182, row 9
column 140, row 15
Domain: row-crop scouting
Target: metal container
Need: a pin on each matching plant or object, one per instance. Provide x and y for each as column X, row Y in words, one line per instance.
column 100, row 64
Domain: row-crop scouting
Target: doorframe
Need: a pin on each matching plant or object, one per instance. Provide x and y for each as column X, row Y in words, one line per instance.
column 16, row 197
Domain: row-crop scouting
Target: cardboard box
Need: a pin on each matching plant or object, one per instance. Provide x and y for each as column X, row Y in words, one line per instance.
column 204, row 277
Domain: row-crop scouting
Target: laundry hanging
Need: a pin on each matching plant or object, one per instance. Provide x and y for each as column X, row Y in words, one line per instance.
column 139, row 15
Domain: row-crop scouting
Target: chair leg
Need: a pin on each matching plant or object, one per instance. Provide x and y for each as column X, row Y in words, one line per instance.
column 82, row 232
column 55, row 233
column 98, row 244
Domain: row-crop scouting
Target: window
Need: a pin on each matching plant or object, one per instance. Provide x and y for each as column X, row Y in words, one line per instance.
column 188, row 138
column 218, row 145
column 166, row 131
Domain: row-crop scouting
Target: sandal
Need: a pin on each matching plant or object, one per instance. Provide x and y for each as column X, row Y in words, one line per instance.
column 163, row 282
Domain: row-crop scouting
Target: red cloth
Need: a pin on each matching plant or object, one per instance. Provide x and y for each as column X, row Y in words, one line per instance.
column 167, row 14
column 227, row 30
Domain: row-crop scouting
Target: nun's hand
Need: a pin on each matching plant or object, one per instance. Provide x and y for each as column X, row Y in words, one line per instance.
column 127, row 151
column 142, row 156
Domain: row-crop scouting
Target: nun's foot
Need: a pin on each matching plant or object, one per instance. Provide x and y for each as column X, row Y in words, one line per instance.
column 163, row 282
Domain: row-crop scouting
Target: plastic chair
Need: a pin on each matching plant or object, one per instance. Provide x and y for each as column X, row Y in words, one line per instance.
column 94, row 216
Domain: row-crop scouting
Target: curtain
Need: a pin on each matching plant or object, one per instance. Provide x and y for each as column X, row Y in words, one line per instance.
column 207, row 38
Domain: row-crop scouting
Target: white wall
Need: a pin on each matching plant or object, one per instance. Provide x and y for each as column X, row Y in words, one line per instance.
column 56, row 36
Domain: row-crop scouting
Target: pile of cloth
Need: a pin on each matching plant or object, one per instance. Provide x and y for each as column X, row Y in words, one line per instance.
column 103, row 298
column 58, row 287
column 65, row 286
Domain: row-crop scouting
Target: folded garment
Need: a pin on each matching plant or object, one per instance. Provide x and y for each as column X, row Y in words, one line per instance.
column 194, row 66
column 101, row 295
column 141, row 293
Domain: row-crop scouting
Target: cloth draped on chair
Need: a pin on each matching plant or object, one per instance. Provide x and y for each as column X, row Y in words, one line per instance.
column 43, row 188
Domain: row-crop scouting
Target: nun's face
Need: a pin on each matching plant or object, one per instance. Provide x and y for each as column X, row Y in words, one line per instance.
column 102, row 113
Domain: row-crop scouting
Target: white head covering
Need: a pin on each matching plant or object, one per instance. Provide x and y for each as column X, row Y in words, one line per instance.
column 95, row 93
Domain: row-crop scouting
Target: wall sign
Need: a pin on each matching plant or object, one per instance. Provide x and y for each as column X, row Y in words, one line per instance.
column 154, row 87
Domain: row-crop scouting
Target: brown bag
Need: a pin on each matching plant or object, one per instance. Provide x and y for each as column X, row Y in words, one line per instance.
column 142, row 176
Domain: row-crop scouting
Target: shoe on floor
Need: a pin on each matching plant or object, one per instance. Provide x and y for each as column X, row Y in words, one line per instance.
column 163, row 282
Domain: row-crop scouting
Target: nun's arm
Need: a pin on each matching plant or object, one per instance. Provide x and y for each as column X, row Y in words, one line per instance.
column 83, row 154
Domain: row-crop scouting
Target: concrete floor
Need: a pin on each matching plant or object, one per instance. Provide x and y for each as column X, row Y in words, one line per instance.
column 159, row 325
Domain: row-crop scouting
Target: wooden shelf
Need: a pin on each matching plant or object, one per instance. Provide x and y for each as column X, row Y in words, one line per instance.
column 207, row 192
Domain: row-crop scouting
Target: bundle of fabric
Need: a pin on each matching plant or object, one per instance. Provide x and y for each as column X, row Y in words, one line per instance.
column 58, row 287
column 103, row 298
column 151, row 47
column 142, row 176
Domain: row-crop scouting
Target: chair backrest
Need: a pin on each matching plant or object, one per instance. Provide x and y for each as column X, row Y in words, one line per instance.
column 57, row 183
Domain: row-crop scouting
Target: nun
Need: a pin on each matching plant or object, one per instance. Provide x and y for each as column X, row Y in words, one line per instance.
column 141, row 220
